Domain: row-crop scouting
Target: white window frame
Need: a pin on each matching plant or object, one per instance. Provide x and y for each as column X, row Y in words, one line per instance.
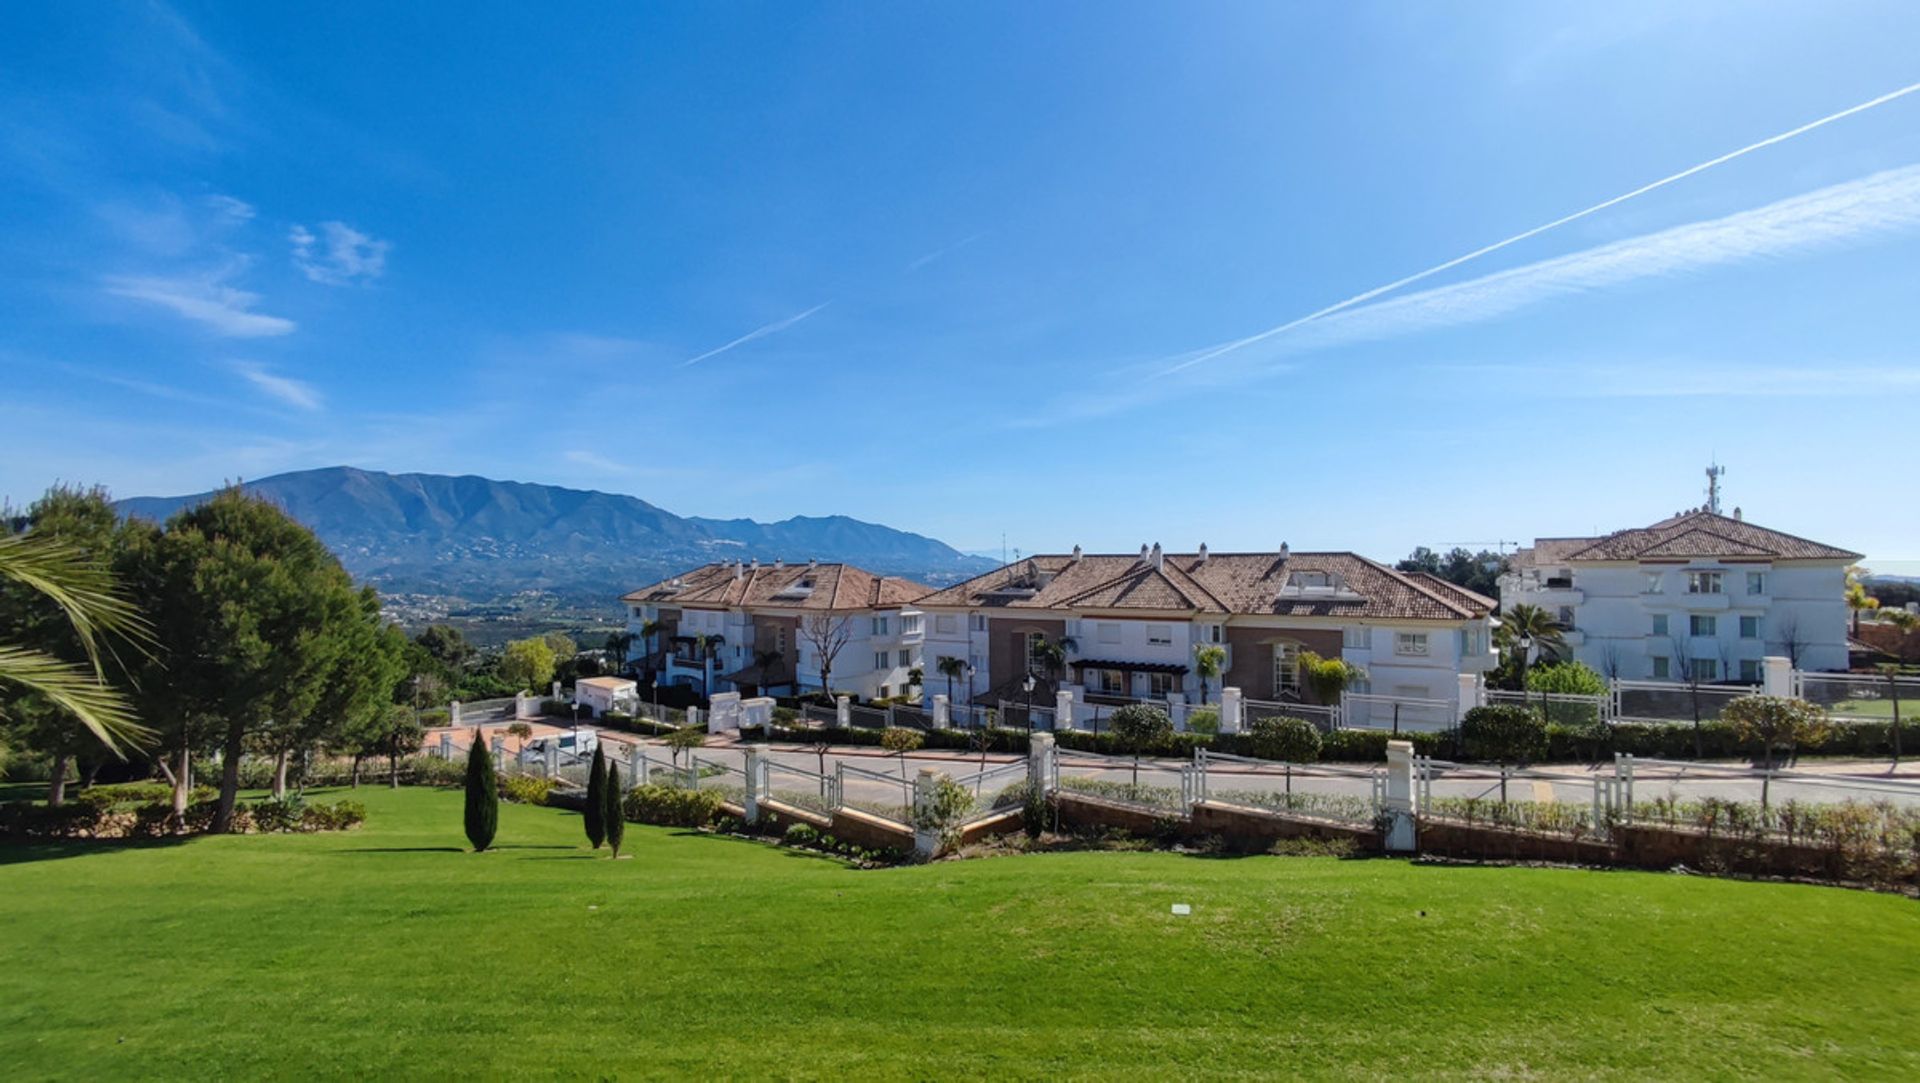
column 1411, row 644
column 1161, row 685
column 909, row 624
column 1750, row 670
column 1656, row 583
column 1356, row 638
column 1213, row 633
column 1749, row 622
column 1705, row 582
column 945, row 624
column 1286, row 666
column 1695, row 621
column 906, row 657
column 883, row 661
column 879, row 626
column 1706, row 669
column 1662, row 667
column 1108, row 682
column 1756, row 582
column 1661, row 625
column 1159, row 635
column 1106, row 631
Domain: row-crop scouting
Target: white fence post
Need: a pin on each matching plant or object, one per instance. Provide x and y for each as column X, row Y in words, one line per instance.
column 756, row 775
column 1232, row 710
column 636, row 764
column 1040, row 763
column 556, row 691
column 522, row 705
column 1062, row 711
column 453, row 713
column 446, row 745
column 842, row 712
column 942, row 712
column 1400, row 825
column 553, row 758
column 499, row 750
column 926, row 841
column 1776, row 676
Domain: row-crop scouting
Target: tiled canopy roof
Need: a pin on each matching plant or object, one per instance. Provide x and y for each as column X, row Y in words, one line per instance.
column 1691, row 534
column 836, row 587
column 1237, row 583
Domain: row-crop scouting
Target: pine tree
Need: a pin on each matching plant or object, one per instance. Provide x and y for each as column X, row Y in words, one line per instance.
column 616, row 815
column 597, row 799
column 483, row 796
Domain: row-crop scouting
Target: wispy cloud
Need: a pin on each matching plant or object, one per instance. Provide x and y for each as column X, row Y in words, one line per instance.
column 339, row 255
column 1855, row 211
column 938, row 253
column 1683, row 378
column 1358, row 299
column 757, row 333
column 292, row 392
column 205, row 299
column 593, row 460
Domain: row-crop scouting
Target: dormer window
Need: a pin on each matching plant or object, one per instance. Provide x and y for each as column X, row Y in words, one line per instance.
column 1314, row 583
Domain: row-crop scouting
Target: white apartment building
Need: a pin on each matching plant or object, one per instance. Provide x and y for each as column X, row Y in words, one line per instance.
column 1131, row 626
column 762, row 629
column 1698, row 594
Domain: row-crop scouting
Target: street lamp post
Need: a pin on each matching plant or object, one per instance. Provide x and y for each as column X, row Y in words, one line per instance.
column 1525, row 643
column 1027, row 685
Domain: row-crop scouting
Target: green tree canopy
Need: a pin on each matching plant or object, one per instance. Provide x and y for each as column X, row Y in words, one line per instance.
column 528, row 664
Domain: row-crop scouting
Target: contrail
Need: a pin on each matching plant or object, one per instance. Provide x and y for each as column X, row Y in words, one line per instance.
column 1229, row 347
column 758, row 332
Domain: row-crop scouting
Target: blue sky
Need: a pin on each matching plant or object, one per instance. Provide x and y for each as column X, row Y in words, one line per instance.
column 969, row 269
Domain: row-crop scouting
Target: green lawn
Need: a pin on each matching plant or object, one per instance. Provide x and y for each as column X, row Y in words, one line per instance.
column 388, row 952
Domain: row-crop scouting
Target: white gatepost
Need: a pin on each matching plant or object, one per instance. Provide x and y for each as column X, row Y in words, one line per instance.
column 446, row 745
column 1473, row 692
column 1401, row 837
column 756, row 780
column 1232, row 710
column 499, row 750
column 942, row 712
column 843, row 712
column 1062, row 710
column 453, row 713
column 1776, row 676
column 693, row 716
column 636, row 764
column 556, row 691
column 553, row 758
column 926, row 841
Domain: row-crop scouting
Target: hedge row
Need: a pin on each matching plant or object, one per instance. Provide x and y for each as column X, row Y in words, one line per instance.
column 1565, row 744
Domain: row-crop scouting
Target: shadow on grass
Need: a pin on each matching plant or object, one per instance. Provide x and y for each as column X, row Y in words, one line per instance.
column 18, row 852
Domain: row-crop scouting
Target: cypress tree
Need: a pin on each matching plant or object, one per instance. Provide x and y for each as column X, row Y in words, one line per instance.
column 616, row 815
column 597, row 799
column 483, row 796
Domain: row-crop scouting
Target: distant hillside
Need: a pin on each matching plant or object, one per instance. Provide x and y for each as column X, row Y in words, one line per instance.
column 481, row 539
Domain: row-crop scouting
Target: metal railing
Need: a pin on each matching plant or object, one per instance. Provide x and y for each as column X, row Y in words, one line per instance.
column 1316, row 789
column 873, row 793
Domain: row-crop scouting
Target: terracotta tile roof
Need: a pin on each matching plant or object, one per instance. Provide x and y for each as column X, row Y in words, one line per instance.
column 1453, row 590
column 835, row 588
column 1704, row 534
column 1225, row 583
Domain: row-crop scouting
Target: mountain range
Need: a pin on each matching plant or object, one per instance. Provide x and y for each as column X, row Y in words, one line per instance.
column 481, row 540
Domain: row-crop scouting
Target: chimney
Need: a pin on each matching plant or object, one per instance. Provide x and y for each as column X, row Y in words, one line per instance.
column 1203, row 554
column 813, row 562
column 1737, row 517
column 1076, row 554
column 1284, row 551
column 778, row 564
column 739, row 570
column 1155, row 557
column 1143, row 550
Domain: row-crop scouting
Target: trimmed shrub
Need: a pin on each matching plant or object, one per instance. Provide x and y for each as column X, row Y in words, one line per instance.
column 1503, row 734
column 338, row 816
column 670, row 806
column 483, row 796
column 800, row 835
column 526, row 789
column 1281, row 738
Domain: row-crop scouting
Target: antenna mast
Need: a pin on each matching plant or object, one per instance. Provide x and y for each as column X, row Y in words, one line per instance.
column 1714, row 473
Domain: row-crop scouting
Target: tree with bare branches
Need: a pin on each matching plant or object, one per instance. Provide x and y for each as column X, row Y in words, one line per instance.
column 827, row 635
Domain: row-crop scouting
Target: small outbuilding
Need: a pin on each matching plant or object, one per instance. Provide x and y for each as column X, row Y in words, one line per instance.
column 602, row 694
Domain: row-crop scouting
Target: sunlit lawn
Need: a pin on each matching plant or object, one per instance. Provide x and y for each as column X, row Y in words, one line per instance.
column 389, row 952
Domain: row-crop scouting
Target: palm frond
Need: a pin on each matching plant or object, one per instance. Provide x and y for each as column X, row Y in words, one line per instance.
column 73, row 688
column 85, row 591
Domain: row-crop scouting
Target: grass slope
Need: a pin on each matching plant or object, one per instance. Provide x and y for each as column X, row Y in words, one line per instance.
column 388, row 951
